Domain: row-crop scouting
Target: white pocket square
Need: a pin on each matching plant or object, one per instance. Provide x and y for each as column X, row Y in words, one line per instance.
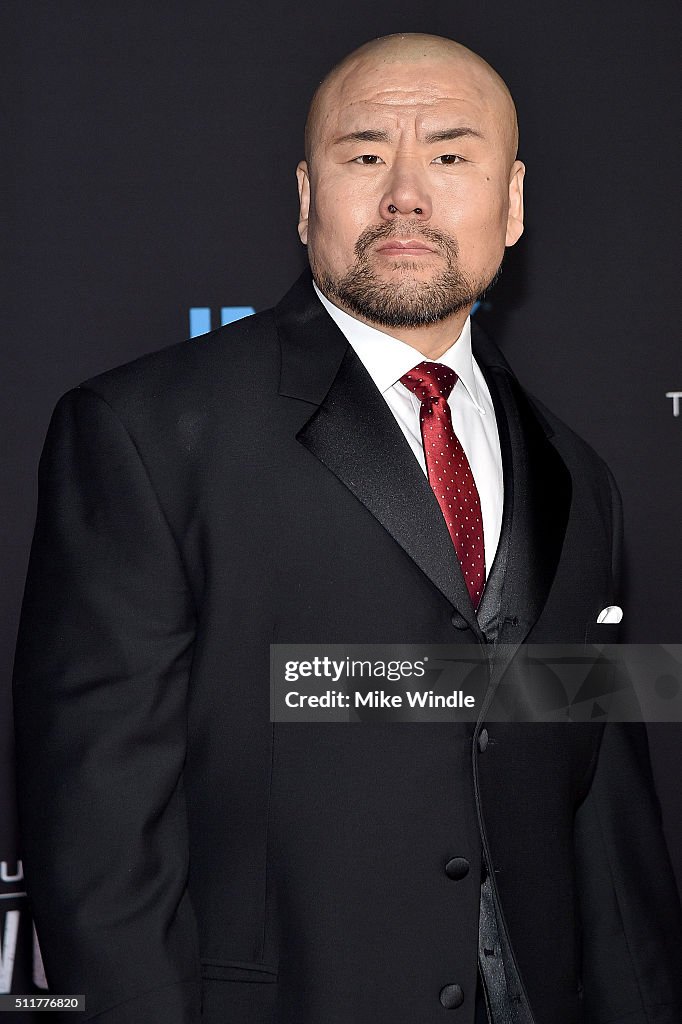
column 611, row 614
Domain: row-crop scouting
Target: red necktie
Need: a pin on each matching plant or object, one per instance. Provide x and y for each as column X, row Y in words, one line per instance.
column 449, row 471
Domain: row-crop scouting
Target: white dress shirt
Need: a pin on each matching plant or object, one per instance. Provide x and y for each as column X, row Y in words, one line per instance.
column 386, row 359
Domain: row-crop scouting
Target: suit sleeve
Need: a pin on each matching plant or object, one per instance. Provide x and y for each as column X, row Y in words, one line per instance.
column 629, row 904
column 100, row 685
column 630, row 909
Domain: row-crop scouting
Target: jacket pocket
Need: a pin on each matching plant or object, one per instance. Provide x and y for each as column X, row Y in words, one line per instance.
column 233, row 991
column 234, row 970
column 602, row 632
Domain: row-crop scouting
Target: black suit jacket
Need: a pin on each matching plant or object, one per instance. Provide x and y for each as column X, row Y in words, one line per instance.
column 187, row 859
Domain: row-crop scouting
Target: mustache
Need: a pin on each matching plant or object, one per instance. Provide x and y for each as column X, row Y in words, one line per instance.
column 383, row 232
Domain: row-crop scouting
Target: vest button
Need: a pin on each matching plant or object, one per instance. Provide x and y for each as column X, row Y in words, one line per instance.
column 457, row 868
column 483, row 740
column 451, row 996
column 459, row 622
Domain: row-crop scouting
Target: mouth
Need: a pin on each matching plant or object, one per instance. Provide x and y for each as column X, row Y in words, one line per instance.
column 405, row 247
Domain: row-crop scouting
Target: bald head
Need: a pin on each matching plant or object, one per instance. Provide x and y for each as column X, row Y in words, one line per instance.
column 411, row 190
column 376, row 56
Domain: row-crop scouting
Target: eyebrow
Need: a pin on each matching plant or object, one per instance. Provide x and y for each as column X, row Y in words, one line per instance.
column 377, row 135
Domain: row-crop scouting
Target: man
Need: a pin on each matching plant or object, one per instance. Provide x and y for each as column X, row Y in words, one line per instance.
column 277, row 482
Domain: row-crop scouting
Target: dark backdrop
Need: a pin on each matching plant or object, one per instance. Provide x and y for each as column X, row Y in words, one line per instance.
column 153, row 146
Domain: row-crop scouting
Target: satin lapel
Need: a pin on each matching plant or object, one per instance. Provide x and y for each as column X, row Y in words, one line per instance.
column 355, row 435
column 540, row 503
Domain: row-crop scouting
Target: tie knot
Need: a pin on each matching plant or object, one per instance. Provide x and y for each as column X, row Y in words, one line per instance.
column 430, row 380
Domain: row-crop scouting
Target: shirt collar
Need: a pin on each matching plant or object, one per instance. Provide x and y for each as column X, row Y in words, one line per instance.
column 386, row 359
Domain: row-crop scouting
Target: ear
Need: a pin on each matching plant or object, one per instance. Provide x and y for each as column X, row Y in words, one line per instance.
column 515, row 214
column 303, row 179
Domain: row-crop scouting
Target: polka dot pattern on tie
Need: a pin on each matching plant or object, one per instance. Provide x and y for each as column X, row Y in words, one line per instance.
column 449, row 471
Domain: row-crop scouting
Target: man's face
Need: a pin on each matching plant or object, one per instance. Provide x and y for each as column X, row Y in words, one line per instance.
column 412, row 191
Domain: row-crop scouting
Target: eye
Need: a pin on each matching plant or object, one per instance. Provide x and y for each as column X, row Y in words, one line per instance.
column 367, row 159
column 448, row 159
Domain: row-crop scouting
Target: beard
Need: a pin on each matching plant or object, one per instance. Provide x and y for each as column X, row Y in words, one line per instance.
column 403, row 301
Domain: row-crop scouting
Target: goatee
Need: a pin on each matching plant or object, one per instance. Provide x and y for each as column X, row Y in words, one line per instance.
column 403, row 301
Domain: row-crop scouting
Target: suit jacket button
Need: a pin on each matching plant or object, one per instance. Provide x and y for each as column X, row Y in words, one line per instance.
column 459, row 622
column 457, row 868
column 482, row 740
column 451, row 996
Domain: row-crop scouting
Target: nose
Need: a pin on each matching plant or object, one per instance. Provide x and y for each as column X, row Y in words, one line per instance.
column 406, row 194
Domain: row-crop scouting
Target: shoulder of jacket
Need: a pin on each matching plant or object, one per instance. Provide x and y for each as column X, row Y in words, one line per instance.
column 567, row 440
column 207, row 354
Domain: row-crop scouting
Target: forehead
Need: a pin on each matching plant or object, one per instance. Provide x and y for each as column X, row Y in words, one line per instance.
column 415, row 90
